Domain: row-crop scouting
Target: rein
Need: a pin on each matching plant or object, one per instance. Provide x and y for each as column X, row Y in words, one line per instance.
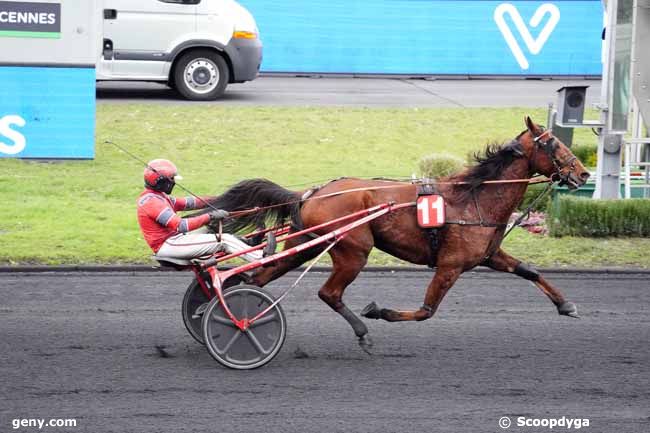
column 235, row 214
column 525, row 214
column 545, row 140
column 548, row 147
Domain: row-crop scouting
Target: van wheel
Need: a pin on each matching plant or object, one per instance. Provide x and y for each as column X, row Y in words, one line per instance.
column 201, row 75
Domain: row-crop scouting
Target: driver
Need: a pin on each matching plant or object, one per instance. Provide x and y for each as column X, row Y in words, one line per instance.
column 167, row 233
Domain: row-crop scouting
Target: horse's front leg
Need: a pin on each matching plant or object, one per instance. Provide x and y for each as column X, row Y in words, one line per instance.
column 504, row 262
column 442, row 281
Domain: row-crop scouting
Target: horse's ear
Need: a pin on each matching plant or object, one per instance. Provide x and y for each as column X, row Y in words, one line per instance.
column 534, row 129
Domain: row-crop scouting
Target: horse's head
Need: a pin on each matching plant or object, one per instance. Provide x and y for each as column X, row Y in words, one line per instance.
column 547, row 155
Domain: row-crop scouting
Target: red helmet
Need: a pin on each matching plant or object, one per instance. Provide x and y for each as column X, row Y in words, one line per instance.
column 161, row 175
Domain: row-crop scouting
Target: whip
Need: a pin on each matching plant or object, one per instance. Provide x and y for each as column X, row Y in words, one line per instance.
column 141, row 161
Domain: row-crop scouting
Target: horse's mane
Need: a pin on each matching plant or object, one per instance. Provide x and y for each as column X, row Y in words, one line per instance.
column 490, row 164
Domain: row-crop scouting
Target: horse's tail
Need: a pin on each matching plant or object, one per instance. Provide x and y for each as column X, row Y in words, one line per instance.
column 279, row 205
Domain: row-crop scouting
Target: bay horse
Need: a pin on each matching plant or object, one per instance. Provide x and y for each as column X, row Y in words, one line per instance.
column 476, row 215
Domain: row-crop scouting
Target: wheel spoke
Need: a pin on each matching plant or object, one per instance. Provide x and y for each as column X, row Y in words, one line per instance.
column 244, row 300
column 256, row 343
column 230, row 343
column 223, row 320
column 268, row 317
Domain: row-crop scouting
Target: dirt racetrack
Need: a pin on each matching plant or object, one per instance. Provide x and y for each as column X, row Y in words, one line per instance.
column 110, row 350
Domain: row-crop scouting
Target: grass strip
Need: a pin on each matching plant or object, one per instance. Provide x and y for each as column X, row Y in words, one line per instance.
column 83, row 212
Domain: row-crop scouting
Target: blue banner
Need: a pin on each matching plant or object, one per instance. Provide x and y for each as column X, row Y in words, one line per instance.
column 47, row 112
column 470, row 37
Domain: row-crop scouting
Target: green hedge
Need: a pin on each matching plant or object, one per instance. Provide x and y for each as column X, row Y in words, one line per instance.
column 439, row 165
column 576, row 216
column 586, row 153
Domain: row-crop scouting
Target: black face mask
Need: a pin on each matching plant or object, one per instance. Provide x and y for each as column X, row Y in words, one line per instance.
column 166, row 185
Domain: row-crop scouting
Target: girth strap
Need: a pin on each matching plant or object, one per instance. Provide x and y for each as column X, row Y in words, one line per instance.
column 481, row 222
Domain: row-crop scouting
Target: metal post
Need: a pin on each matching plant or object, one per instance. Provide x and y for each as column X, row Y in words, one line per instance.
column 564, row 134
column 609, row 145
column 641, row 87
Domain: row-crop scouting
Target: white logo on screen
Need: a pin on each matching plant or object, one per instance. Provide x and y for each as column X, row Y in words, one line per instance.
column 17, row 140
column 534, row 45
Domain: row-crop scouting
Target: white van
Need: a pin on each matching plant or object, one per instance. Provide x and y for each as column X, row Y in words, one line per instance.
column 195, row 46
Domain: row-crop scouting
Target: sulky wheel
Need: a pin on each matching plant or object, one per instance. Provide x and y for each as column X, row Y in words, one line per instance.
column 193, row 299
column 244, row 350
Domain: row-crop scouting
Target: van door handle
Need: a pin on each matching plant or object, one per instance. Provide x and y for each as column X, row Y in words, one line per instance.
column 110, row 14
column 108, row 49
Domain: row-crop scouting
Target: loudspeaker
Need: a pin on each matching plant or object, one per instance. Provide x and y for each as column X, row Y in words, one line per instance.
column 571, row 104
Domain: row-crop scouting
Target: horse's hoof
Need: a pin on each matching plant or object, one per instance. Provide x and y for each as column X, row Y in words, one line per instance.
column 366, row 344
column 568, row 309
column 372, row 311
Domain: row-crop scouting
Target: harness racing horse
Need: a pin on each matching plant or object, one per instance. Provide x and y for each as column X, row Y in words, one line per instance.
column 476, row 215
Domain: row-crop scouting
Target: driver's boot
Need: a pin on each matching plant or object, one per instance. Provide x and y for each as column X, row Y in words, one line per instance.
column 271, row 245
column 258, row 238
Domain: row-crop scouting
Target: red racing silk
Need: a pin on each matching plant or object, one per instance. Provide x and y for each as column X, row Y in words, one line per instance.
column 158, row 219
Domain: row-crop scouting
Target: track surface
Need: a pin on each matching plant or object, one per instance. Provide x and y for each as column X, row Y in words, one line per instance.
column 84, row 346
column 360, row 92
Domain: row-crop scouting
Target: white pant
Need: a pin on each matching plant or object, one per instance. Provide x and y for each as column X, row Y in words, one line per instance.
column 192, row 245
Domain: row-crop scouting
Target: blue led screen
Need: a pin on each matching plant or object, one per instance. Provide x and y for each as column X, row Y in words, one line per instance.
column 47, row 112
column 430, row 37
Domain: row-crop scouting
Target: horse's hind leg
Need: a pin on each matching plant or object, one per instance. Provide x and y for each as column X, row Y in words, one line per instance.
column 442, row 281
column 346, row 267
column 502, row 261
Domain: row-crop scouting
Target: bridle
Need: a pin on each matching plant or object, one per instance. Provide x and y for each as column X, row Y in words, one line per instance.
column 546, row 141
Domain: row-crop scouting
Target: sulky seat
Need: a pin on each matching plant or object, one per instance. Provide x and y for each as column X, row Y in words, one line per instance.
column 180, row 264
column 172, row 262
